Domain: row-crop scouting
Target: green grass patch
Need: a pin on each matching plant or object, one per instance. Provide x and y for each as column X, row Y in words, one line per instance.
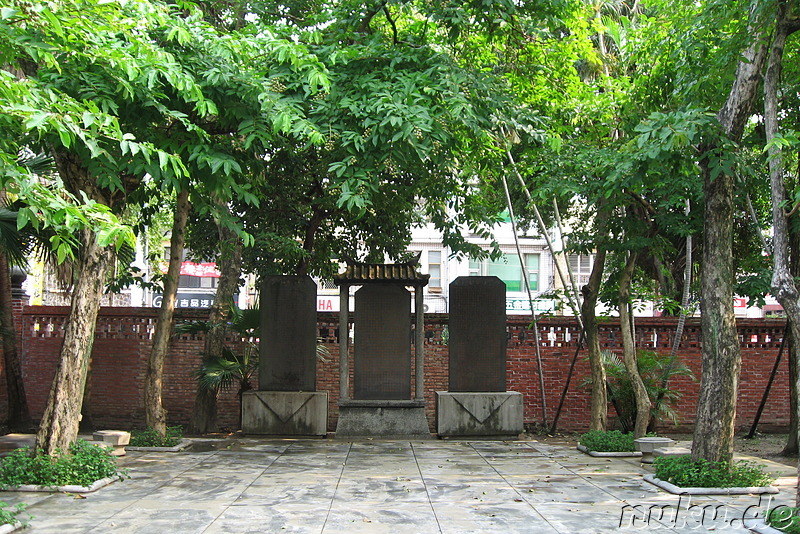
column 81, row 466
column 151, row 438
column 608, row 441
column 687, row 473
column 784, row 518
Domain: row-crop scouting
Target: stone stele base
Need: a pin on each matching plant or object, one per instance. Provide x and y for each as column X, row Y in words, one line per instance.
column 387, row 419
column 479, row 414
column 285, row 413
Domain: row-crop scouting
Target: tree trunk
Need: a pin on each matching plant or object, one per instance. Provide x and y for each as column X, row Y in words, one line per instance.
column 629, row 349
column 599, row 403
column 86, row 424
column 230, row 267
column 791, row 448
column 783, row 285
column 59, row 424
column 155, row 415
column 721, row 355
column 19, row 416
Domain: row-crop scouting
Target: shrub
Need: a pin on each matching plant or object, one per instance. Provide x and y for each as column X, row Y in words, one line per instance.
column 687, row 473
column 608, row 441
column 785, row 518
column 151, row 438
column 82, row 466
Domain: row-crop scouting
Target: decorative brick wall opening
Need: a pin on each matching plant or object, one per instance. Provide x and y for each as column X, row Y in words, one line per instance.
column 124, row 337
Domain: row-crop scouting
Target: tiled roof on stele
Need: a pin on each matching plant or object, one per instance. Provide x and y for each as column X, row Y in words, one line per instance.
column 365, row 273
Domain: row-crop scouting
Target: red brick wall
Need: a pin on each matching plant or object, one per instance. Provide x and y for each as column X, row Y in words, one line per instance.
column 123, row 341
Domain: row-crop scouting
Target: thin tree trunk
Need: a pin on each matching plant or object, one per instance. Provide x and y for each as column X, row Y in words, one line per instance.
column 59, row 424
column 534, row 319
column 155, row 415
column 721, row 355
column 230, row 266
column 629, row 349
column 19, row 416
column 599, row 402
column 791, row 449
column 792, row 348
column 783, row 286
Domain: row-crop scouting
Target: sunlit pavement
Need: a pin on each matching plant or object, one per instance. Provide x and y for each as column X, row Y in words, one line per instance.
column 330, row 486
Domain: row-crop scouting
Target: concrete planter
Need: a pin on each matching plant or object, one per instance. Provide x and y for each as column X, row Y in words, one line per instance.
column 672, row 488
column 601, row 454
column 182, row 444
column 10, row 527
column 94, row 486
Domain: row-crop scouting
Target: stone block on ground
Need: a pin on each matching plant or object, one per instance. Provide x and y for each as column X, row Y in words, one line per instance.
column 285, row 413
column 479, row 414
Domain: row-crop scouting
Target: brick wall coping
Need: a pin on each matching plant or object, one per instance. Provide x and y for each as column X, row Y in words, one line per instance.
column 434, row 318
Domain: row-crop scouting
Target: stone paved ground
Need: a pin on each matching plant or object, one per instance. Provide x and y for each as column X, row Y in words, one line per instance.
column 329, row 486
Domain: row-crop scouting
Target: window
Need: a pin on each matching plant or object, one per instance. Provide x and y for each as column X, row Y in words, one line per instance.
column 532, row 264
column 507, row 268
column 581, row 267
column 206, row 282
column 189, row 281
column 435, row 269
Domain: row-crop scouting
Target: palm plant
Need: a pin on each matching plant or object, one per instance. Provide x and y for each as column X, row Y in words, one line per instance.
column 656, row 372
column 15, row 245
column 233, row 367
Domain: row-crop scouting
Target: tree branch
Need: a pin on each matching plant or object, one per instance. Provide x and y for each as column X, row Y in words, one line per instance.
column 364, row 27
column 391, row 23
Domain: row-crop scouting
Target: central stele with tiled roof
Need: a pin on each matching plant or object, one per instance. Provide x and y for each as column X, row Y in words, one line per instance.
column 381, row 403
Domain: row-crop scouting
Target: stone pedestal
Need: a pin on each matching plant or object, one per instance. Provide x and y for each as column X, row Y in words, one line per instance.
column 494, row 414
column 648, row 444
column 285, row 413
column 117, row 439
column 387, row 419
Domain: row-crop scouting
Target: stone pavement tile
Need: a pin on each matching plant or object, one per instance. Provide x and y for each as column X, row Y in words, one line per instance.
column 64, row 513
column 380, row 467
column 274, row 446
column 442, row 449
column 572, row 517
column 379, row 517
column 12, row 498
column 455, row 466
column 245, row 457
column 558, row 488
column 147, row 519
column 498, row 527
column 200, row 488
column 471, row 492
column 550, row 450
column 449, row 479
column 383, row 490
column 318, row 495
column 489, row 517
column 286, row 468
column 267, row 519
column 269, row 478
